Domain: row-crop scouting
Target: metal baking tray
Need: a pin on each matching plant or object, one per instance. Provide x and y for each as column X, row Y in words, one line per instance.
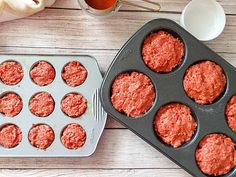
column 169, row 88
column 93, row 120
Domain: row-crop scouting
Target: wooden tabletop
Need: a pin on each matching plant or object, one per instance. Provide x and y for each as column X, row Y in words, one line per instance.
column 65, row 29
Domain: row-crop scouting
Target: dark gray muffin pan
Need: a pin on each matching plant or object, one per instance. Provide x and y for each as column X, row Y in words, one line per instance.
column 169, row 89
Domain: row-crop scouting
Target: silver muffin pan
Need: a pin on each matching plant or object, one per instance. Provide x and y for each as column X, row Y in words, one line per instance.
column 93, row 120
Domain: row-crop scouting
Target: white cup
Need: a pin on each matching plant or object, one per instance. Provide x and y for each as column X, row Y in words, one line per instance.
column 205, row 19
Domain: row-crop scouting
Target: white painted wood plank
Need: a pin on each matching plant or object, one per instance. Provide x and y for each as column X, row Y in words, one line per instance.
column 95, row 173
column 56, row 28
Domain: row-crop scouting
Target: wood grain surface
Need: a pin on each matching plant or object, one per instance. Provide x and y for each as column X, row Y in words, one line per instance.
column 66, row 29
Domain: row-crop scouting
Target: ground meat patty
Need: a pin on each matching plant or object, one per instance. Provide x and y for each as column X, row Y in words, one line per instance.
column 74, row 105
column 42, row 73
column 132, row 94
column 42, row 104
column 174, row 124
column 230, row 113
column 162, row 52
column 10, row 136
column 204, row 82
column 10, row 104
column 11, row 73
column 74, row 74
column 73, row 136
column 216, row 154
column 41, row 136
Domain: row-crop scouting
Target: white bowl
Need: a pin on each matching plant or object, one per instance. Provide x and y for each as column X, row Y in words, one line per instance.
column 205, row 19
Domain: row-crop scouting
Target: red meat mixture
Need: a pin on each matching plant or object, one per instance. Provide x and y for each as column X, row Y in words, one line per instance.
column 204, row 82
column 41, row 136
column 162, row 52
column 73, row 136
column 42, row 104
column 74, row 74
column 10, row 104
column 42, row 73
column 174, row 124
column 74, row 105
column 216, row 154
column 132, row 94
column 231, row 113
column 11, row 73
column 10, row 136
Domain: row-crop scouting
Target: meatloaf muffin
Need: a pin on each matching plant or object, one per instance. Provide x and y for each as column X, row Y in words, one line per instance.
column 204, row 82
column 74, row 105
column 11, row 73
column 162, row 52
column 132, row 94
column 73, row 136
column 174, row 124
column 74, row 74
column 42, row 73
column 216, row 154
column 10, row 136
column 41, row 104
column 10, row 104
column 41, row 136
column 230, row 113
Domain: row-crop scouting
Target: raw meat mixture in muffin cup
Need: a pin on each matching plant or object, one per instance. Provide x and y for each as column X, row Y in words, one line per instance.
column 41, row 136
column 204, row 82
column 42, row 73
column 10, row 136
column 162, row 52
column 230, row 113
column 74, row 74
column 216, row 154
column 174, row 124
column 10, row 104
column 73, row 136
column 74, row 105
column 42, row 104
column 132, row 94
column 11, row 73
